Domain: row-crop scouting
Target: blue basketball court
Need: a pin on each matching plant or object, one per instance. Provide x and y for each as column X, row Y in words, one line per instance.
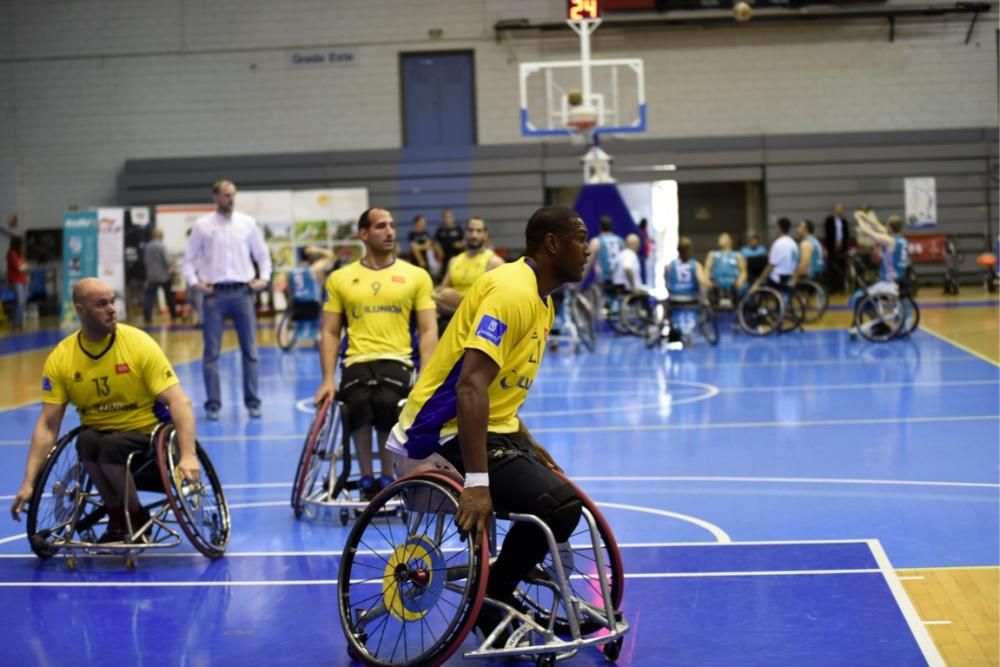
column 763, row 493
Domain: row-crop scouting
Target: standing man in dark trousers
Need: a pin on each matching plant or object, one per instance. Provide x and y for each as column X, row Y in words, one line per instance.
column 837, row 239
column 449, row 241
column 219, row 262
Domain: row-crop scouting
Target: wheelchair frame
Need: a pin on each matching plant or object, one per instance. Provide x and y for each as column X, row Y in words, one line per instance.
column 896, row 312
column 577, row 327
column 417, row 573
column 286, row 331
column 315, row 495
column 77, row 507
column 764, row 310
column 659, row 325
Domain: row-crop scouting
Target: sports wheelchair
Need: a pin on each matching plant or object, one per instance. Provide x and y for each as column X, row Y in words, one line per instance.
column 766, row 309
column 814, row 299
column 411, row 595
column 677, row 319
column 574, row 323
column 319, row 487
column 300, row 320
column 882, row 310
column 65, row 509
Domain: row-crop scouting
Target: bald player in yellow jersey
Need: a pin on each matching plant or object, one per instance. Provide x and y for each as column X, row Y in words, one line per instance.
column 374, row 299
column 115, row 375
column 462, row 412
column 466, row 267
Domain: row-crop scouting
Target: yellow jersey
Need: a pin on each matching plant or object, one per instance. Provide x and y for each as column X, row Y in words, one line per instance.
column 112, row 383
column 376, row 304
column 465, row 270
column 502, row 316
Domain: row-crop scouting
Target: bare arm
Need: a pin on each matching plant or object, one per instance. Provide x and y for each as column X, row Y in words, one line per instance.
column 741, row 279
column 328, row 351
column 183, row 418
column 805, row 257
column 428, row 327
column 709, row 260
column 43, row 439
column 472, row 391
column 494, row 261
column 869, row 225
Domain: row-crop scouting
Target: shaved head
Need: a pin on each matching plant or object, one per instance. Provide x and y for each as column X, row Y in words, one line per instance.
column 94, row 303
column 88, row 288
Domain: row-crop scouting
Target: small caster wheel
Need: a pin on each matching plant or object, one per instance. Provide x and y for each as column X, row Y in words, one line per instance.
column 547, row 660
column 130, row 562
column 344, row 517
column 71, row 562
column 613, row 649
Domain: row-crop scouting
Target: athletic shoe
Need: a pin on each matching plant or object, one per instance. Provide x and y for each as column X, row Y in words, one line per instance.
column 254, row 411
column 384, row 481
column 366, row 485
column 212, row 414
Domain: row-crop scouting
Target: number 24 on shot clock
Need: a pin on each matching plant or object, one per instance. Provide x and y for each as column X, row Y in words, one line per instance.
column 583, row 9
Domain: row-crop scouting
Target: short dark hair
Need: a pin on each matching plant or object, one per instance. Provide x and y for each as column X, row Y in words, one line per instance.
column 684, row 247
column 364, row 222
column 548, row 220
column 476, row 217
column 784, row 224
column 810, row 226
column 607, row 224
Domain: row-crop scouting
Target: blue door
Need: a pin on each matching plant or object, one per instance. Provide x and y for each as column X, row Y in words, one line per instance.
column 439, row 102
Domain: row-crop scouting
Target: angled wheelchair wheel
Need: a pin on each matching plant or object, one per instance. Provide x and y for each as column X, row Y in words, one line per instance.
column 409, row 594
column 814, row 297
column 795, row 314
column 582, row 313
column 635, row 314
column 878, row 317
column 911, row 315
column 322, row 440
column 200, row 508
column 580, row 564
column 62, row 493
column 285, row 333
column 760, row 311
column 708, row 325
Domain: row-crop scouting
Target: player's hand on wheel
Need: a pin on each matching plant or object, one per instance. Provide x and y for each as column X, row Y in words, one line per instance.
column 324, row 391
column 475, row 507
column 20, row 500
column 189, row 467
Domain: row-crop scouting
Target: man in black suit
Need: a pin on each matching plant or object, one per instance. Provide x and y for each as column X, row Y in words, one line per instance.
column 837, row 240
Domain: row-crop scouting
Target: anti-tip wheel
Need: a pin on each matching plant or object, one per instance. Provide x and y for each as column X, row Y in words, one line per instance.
column 345, row 516
column 613, row 649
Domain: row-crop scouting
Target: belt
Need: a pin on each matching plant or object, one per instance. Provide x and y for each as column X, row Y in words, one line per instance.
column 228, row 285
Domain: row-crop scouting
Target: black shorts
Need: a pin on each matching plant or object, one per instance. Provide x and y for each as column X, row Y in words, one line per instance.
column 112, row 447
column 306, row 311
column 372, row 392
column 519, row 482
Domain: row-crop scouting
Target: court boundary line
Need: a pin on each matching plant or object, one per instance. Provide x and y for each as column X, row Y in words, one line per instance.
column 960, row 346
column 905, row 604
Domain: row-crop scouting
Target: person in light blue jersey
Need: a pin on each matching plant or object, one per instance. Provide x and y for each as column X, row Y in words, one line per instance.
column 726, row 270
column 304, row 292
column 893, row 248
column 811, row 261
column 686, row 282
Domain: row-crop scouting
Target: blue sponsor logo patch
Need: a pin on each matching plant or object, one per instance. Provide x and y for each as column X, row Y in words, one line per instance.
column 46, row 384
column 491, row 329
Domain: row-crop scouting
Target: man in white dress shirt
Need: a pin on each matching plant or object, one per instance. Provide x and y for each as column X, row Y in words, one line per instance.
column 219, row 262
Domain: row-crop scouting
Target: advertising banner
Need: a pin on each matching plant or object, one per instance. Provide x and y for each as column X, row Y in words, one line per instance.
column 111, row 254
column 921, row 202
column 79, row 256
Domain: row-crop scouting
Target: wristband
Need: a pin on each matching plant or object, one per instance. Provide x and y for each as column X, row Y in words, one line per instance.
column 476, row 479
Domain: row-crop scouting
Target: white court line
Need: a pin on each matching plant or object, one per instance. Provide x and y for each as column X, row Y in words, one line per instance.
column 638, row 387
column 911, row 578
column 920, row 633
column 719, row 480
column 716, row 532
column 748, row 364
column 642, row 427
column 937, row 622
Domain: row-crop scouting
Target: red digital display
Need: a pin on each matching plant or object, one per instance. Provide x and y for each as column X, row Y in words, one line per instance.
column 577, row 10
